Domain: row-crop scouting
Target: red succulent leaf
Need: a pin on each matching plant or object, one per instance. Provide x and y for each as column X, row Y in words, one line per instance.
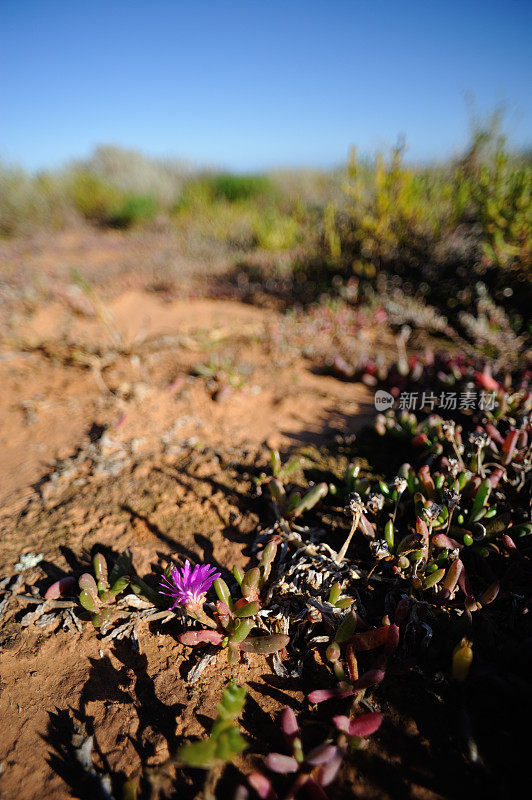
column 277, row 762
column 441, row 540
column 369, row 640
column 426, row 480
column 352, row 663
column 368, row 679
column 392, row 640
column 509, row 446
column 423, row 531
column 493, row 433
column 59, row 588
column 509, row 543
column 192, row 638
column 486, row 381
column 289, row 723
column 327, row 772
column 320, row 695
column 495, row 477
column 360, row 726
column 321, row 754
column 262, row 786
column 401, row 610
column 490, row 594
column 451, row 579
column 463, row 582
column 365, row 526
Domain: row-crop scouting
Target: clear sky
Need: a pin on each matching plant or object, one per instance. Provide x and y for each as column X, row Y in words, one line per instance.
column 257, row 83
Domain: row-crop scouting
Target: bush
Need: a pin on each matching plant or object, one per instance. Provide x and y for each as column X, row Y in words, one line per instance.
column 496, row 192
column 436, row 230
column 275, row 231
column 103, row 204
column 235, row 188
column 27, row 202
column 92, row 197
column 133, row 210
column 134, row 174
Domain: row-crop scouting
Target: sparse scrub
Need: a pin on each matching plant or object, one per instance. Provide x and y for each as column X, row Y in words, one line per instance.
column 136, row 175
column 237, row 188
column 133, row 210
column 92, row 197
column 436, row 229
column 30, row 203
column 101, row 203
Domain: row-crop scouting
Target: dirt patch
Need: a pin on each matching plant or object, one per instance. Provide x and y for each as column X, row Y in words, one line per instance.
column 62, row 373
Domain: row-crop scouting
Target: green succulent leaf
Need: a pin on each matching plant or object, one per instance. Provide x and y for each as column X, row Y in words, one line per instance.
column 225, row 741
column 247, row 610
column 118, row 586
column 122, row 566
column 100, row 570
column 141, row 589
column 265, row 645
column 88, row 601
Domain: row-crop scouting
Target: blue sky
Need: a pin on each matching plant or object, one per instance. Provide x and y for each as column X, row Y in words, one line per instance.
column 257, row 83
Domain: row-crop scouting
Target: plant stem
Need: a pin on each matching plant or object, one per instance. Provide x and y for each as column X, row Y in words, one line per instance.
column 341, row 555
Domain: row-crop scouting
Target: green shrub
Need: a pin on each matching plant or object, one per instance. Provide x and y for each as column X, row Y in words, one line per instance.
column 134, row 210
column 275, row 231
column 235, row 188
column 436, row 230
column 92, row 197
column 496, row 193
column 102, row 204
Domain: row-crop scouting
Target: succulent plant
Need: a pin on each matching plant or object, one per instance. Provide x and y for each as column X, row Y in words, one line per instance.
column 354, row 731
column 225, row 741
column 313, row 771
column 235, row 620
column 290, row 500
column 99, row 593
column 350, row 641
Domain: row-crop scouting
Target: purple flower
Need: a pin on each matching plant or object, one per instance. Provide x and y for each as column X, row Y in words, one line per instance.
column 189, row 586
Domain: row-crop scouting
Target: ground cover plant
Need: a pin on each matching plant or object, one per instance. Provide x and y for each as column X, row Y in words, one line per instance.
column 410, row 556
